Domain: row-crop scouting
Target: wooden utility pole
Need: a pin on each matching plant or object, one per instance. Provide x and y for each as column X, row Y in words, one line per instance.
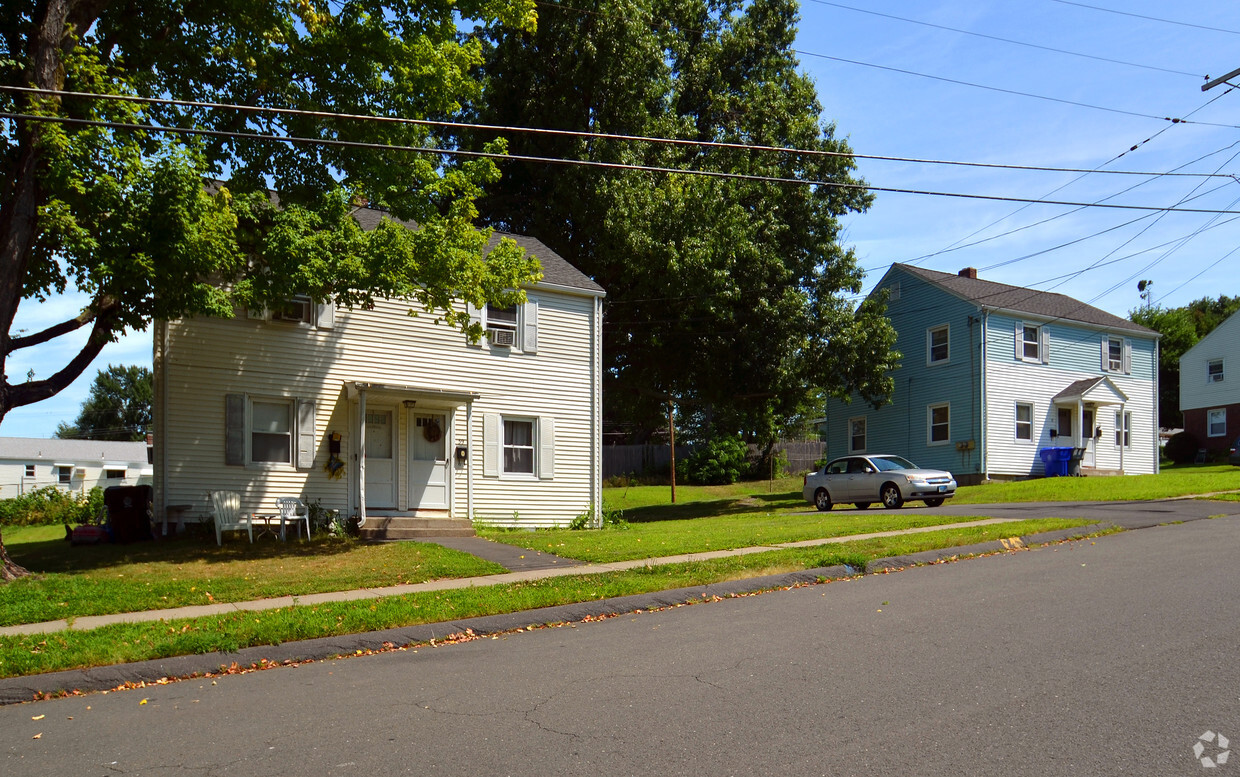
column 671, row 436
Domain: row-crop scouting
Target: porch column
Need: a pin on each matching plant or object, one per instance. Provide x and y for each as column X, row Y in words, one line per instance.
column 361, row 456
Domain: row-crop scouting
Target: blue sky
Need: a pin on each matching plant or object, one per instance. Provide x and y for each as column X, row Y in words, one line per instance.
column 929, row 80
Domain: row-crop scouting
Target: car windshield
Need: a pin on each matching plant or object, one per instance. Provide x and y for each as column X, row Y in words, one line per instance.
column 885, row 463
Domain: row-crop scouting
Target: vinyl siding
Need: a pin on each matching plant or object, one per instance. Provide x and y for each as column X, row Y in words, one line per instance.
column 901, row 426
column 1196, row 391
column 1075, row 354
column 206, row 359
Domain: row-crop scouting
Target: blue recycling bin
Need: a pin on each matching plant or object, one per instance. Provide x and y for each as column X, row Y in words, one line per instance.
column 1056, row 460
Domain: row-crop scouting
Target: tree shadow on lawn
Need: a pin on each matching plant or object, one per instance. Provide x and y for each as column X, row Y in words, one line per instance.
column 715, row 508
column 55, row 556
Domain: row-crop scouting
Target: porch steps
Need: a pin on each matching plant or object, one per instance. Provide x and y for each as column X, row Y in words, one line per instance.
column 414, row 526
column 1094, row 472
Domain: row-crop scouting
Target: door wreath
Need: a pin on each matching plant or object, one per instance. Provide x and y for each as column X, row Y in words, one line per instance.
column 431, row 431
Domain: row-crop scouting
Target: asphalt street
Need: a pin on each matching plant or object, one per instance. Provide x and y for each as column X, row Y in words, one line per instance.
column 1111, row 656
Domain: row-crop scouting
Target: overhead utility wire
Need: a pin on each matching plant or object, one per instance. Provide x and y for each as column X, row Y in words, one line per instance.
column 571, row 133
column 1017, row 93
column 1149, row 18
column 961, row 243
column 571, row 162
column 1005, row 40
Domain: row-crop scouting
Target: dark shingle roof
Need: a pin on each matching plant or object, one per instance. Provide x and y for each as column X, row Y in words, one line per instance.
column 555, row 268
column 1001, row 296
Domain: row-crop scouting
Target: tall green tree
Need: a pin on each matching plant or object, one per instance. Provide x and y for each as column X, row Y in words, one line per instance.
column 117, row 408
column 1181, row 328
column 123, row 214
column 726, row 295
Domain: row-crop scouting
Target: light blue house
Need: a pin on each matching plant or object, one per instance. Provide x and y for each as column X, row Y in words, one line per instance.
column 990, row 374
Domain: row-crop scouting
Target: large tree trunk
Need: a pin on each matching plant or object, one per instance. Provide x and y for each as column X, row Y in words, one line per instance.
column 9, row 570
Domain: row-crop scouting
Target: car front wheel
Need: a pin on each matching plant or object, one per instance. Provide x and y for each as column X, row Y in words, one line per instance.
column 934, row 502
column 890, row 495
column 822, row 500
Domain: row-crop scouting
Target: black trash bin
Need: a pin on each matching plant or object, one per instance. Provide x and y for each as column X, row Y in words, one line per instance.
column 129, row 512
column 1074, row 465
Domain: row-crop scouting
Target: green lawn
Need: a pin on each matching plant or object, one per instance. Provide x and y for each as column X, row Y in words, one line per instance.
column 72, row 581
column 38, row 653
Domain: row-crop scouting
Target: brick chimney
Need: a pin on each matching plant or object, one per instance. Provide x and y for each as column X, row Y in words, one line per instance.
column 968, row 272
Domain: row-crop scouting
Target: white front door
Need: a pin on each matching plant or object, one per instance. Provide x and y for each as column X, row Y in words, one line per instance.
column 428, row 461
column 380, row 459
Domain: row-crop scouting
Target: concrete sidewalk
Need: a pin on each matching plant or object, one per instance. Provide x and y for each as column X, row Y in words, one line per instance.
column 523, row 565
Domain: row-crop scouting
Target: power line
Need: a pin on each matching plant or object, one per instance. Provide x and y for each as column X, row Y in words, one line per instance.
column 1148, row 18
column 1004, row 40
column 450, row 152
column 684, row 142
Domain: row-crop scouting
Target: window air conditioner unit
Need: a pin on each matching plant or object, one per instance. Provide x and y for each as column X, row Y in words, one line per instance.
column 503, row 336
column 1216, row 377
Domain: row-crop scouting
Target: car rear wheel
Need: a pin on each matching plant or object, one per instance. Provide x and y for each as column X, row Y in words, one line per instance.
column 890, row 494
column 863, row 505
column 822, row 500
column 934, row 502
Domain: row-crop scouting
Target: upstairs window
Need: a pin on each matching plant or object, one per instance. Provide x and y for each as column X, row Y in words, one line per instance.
column 1116, row 355
column 1214, row 371
column 937, row 345
column 1032, row 342
column 298, row 310
column 502, row 324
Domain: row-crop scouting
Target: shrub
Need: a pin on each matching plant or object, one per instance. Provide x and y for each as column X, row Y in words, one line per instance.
column 718, row 462
column 50, row 505
column 1182, row 448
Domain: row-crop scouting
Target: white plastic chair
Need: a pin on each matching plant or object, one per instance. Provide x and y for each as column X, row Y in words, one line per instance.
column 293, row 511
column 226, row 507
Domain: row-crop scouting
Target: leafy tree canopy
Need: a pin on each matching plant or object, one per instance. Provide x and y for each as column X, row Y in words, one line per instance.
column 124, row 214
column 726, row 295
column 117, row 408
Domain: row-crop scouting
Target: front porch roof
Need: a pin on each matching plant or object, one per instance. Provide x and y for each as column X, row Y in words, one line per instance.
column 354, row 387
column 1099, row 391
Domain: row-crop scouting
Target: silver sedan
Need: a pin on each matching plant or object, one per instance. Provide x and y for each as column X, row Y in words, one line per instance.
column 866, row 479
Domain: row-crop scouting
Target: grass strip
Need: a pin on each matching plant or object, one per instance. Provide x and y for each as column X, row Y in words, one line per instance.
column 124, row 643
column 72, row 582
column 698, row 535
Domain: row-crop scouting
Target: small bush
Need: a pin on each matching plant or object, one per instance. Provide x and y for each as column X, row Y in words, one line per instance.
column 611, row 517
column 1182, row 448
column 50, row 505
column 719, row 462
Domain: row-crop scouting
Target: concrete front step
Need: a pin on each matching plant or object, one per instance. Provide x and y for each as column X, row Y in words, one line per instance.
column 412, row 527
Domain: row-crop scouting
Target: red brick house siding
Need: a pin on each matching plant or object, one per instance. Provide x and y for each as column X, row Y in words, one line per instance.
column 1195, row 423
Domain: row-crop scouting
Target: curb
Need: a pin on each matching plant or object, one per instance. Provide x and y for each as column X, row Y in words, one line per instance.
column 16, row 690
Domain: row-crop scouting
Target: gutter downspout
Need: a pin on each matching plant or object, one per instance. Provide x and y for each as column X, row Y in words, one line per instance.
column 361, row 456
column 984, row 443
column 596, row 416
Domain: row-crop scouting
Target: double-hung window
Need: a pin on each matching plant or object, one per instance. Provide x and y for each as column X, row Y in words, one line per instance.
column 1032, row 342
column 518, row 446
column 1024, row 421
column 271, row 435
column 938, row 350
column 856, row 435
column 1123, row 429
column 29, row 470
column 1116, row 355
column 502, row 324
column 1214, row 371
column 938, row 422
column 1216, row 422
